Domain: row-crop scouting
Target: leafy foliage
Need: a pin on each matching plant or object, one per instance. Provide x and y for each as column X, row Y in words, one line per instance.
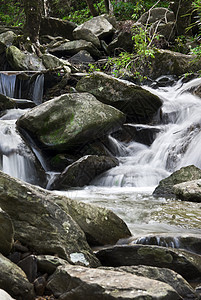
column 12, row 12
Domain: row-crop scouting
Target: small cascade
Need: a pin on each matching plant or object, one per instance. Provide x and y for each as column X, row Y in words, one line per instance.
column 7, row 84
column 172, row 242
column 37, row 95
column 177, row 143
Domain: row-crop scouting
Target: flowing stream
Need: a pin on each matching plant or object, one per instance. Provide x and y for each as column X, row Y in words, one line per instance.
column 127, row 189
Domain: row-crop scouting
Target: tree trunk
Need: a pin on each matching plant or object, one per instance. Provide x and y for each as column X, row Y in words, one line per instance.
column 91, row 7
column 182, row 10
column 33, row 12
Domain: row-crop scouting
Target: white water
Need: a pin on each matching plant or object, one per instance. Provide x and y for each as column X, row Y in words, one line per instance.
column 37, row 95
column 7, row 84
column 177, row 144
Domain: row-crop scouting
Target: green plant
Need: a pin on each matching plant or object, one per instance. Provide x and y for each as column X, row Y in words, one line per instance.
column 12, row 13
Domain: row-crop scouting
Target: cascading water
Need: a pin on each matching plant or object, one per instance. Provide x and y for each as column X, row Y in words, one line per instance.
column 37, row 95
column 7, row 84
column 176, row 145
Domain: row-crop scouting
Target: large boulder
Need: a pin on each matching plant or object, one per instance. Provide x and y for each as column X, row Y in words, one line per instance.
column 83, row 171
column 21, row 61
column 99, row 26
column 100, row 225
column 84, row 283
column 6, row 102
column 14, row 281
column 70, row 121
column 176, row 281
column 6, row 40
column 188, row 191
column 166, row 62
column 157, row 14
column 6, row 233
column 87, row 35
column 165, row 187
column 72, row 47
column 137, row 103
column 52, row 62
column 57, row 27
column 41, row 224
column 185, row 263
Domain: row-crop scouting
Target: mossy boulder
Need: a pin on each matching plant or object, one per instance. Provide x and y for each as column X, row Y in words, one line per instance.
column 6, row 233
column 165, row 187
column 137, row 103
column 6, row 103
column 168, row 62
column 187, row 264
column 41, row 224
column 70, row 121
column 6, row 40
column 14, row 281
column 21, row 61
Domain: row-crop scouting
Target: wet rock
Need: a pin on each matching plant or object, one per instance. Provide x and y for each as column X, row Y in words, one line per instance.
column 87, row 35
column 13, row 280
column 73, row 47
column 61, row 123
column 41, row 224
column 99, row 26
column 81, row 57
column 6, row 103
column 187, row 242
column 165, row 187
column 53, row 62
column 123, row 41
column 84, row 283
column 137, row 103
column 144, row 134
column 40, row 285
column 6, row 233
column 83, row 171
column 188, row 191
column 57, row 27
column 185, row 263
column 5, row 296
column 176, row 281
column 29, row 266
column 6, row 40
column 21, row 61
column 48, row 263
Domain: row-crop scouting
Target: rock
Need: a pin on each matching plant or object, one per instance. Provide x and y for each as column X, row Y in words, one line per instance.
column 73, row 47
column 123, row 41
column 57, row 27
column 48, row 263
column 188, row 191
column 6, row 103
column 144, row 134
column 6, row 233
column 176, row 281
column 99, row 26
column 29, row 266
column 82, row 57
column 87, row 35
column 139, row 104
column 187, row 242
column 100, row 225
column 83, row 171
column 185, row 263
column 13, row 280
column 40, row 285
column 167, row 62
column 167, row 30
column 84, row 283
column 157, row 14
column 165, row 187
column 6, row 40
column 5, row 296
column 21, row 61
column 41, row 224
column 61, row 123
column 52, row 62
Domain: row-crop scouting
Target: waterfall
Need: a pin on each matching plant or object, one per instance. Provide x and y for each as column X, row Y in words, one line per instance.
column 37, row 95
column 177, row 143
column 7, row 84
